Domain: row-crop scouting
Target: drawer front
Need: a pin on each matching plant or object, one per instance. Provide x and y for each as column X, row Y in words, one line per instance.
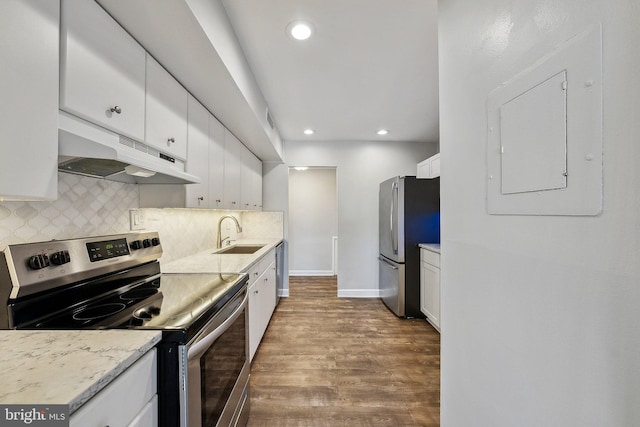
column 259, row 267
column 122, row 400
column 430, row 257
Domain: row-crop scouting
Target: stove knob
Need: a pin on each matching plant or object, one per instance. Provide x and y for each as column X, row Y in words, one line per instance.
column 38, row 262
column 155, row 241
column 136, row 244
column 59, row 258
column 146, row 243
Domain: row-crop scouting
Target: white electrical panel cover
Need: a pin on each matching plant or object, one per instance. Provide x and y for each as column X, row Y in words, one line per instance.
column 544, row 151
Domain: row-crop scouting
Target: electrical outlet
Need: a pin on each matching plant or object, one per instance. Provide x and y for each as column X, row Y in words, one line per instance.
column 136, row 219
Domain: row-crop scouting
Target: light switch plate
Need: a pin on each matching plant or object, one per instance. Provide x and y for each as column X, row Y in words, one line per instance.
column 136, row 219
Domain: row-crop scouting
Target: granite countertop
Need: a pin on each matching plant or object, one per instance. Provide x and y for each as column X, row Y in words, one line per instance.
column 433, row 247
column 66, row 367
column 211, row 262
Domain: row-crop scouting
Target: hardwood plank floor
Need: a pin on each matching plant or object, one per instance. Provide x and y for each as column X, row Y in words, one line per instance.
column 328, row 361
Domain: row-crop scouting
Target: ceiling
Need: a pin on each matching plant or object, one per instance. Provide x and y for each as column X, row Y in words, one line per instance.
column 370, row 64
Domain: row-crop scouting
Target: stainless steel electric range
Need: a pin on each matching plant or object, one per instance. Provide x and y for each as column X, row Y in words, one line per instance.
column 114, row 282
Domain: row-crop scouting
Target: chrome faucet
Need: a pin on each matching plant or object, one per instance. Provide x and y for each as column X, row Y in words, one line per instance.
column 238, row 229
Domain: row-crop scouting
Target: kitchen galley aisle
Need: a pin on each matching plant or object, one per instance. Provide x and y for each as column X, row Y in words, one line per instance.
column 343, row 362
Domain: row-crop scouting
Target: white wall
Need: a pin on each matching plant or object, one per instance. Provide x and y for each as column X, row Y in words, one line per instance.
column 361, row 166
column 313, row 221
column 275, row 197
column 539, row 314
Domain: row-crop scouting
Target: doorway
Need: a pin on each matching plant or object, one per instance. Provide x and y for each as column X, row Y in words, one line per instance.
column 313, row 221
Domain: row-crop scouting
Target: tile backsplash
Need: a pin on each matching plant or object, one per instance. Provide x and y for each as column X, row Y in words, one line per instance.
column 85, row 207
column 188, row 231
column 95, row 207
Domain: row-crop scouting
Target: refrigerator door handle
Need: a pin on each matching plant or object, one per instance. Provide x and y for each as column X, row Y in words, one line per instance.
column 388, row 263
column 394, row 205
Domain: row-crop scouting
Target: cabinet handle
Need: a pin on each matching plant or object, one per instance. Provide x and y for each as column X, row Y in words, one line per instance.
column 255, row 274
column 218, row 200
column 255, row 292
column 171, row 140
column 233, row 203
column 116, row 109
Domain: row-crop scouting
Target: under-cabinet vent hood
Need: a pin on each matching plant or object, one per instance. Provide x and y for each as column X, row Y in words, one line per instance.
column 87, row 149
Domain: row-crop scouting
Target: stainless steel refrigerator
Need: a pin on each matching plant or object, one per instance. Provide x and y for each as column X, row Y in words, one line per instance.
column 409, row 214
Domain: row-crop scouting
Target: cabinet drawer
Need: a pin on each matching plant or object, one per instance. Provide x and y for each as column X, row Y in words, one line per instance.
column 259, row 267
column 120, row 402
column 430, row 257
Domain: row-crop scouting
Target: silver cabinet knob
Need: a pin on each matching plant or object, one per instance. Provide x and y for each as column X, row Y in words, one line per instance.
column 116, row 109
column 171, row 140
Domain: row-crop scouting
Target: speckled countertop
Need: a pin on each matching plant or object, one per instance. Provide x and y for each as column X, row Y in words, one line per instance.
column 66, row 367
column 433, row 247
column 211, row 262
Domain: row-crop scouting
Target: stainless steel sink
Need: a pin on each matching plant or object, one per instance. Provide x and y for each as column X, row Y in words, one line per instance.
column 241, row 249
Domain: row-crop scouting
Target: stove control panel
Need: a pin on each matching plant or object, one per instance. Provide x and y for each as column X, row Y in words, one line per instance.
column 34, row 267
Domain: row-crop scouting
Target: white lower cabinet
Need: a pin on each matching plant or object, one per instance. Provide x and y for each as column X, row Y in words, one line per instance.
column 262, row 299
column 430, row 286
column 129, row 400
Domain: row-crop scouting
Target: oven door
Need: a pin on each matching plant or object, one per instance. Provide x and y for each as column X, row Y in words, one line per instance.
column 217, row 375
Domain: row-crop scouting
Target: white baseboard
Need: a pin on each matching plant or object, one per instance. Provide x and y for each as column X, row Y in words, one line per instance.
column 310, row 273
column 358, row 293
column 284, row 293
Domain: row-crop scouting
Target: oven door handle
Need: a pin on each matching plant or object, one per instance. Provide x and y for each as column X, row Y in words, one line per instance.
column 196, row 350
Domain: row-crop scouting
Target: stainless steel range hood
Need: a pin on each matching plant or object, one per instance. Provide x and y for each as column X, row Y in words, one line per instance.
column 87, row 149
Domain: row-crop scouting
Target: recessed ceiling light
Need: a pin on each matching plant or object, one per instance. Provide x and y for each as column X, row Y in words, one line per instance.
column 301, row 168
column 383, row 132
column 309, row 131
column 300, row 30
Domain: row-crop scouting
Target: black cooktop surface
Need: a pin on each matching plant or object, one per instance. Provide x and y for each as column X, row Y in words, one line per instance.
column 168, row 302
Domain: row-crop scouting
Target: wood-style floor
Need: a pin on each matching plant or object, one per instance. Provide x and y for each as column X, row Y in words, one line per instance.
column 328, row 361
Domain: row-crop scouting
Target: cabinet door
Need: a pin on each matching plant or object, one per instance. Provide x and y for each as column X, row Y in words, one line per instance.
column 435, row 166
column 29, row 107
column 269, row 301
column 424, row 170
column 216, row 163
column 256, row 183
column 430, row 293
column 232, row 167
column 255, row 333
column 197, row 195
column 102, row 70
column 246, row 177
column 166, row 111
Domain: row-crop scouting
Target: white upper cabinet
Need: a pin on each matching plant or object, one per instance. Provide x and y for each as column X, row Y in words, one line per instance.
column 216, row 163
column 246, row 177
column 232, row 171
column 102, row 70
column 250, row 181
column 29, row 107
column 429, row 168
column 197, row 195
column 166, row 111
column 256, row 183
